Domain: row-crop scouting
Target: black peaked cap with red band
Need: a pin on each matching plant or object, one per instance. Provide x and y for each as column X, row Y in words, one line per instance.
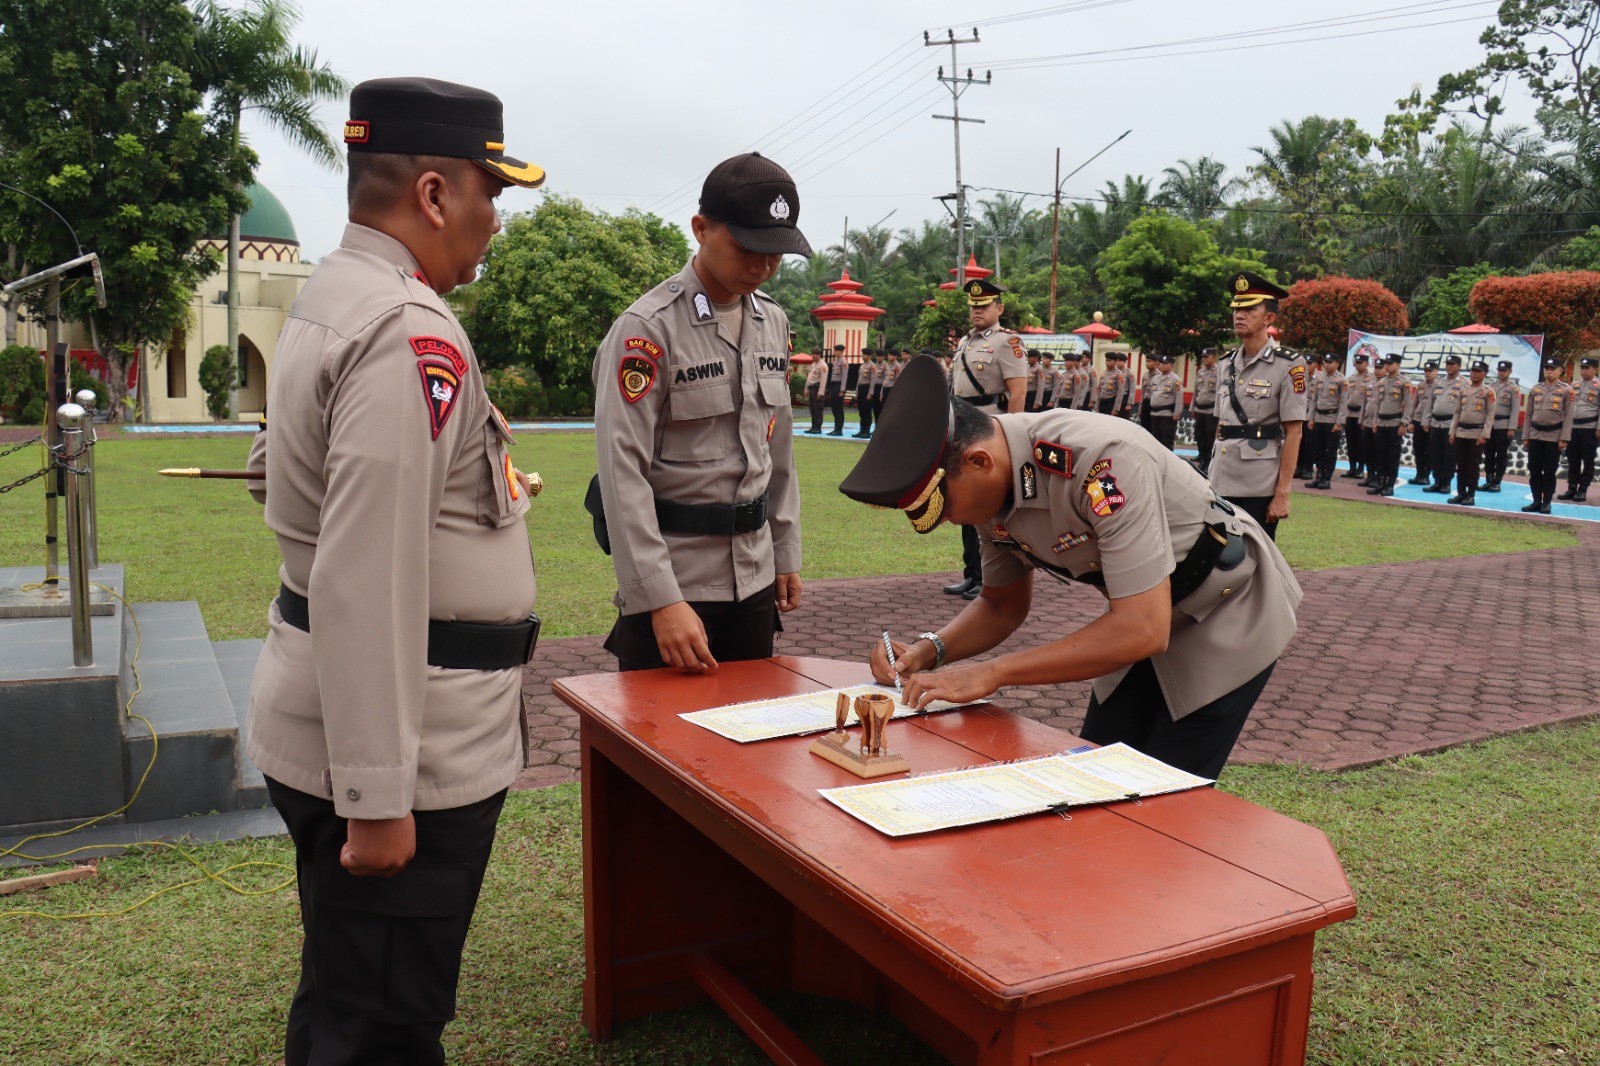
column 902, row 467
column 422, row 116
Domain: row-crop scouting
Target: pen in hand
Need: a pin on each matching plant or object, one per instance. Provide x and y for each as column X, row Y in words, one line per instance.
column 888, row 650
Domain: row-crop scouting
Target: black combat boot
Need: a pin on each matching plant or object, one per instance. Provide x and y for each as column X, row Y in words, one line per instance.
column 1388, row 487
column 1375, row 486
column 1570, row 494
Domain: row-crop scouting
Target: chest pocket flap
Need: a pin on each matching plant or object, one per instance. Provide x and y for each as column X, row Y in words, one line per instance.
column 700, row 428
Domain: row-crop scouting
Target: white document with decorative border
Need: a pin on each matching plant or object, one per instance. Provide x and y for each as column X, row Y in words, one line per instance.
column 921, row 804
column 789, row 716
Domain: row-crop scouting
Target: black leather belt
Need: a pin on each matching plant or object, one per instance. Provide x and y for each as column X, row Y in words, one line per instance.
column 1271, row 432
column 712, row 518
column 452, row 645
column 1547, row 429
column 982, row 400
column 1215, row 547
column 1586, row 421
column 1475, row 425
column 1159, row 410
column 1205, row 410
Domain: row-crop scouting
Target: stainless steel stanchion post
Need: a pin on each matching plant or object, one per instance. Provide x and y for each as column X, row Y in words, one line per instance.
column 86, row 399
column 71, row 420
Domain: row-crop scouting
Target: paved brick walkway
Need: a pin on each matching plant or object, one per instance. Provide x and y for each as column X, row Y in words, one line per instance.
column 1378, row 668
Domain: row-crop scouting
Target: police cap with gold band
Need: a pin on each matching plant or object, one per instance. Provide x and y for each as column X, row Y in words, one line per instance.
column 421, row 116
column 981, row 292
column 1250, row 289
column 903, row 465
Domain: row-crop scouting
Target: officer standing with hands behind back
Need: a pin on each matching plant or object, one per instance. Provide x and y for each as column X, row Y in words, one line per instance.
column 694, row 438
column 389, row 740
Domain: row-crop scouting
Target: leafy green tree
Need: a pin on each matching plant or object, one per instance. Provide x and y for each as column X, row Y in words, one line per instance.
column 1442, row 304
column 245, row 58
column 1197, row 191
column 939, row 326
column 100, row 118
column 1167, row 282
column 557, row 277
column 219, row 375
column 1581, row 252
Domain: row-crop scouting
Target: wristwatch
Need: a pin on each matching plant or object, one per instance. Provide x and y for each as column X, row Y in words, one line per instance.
column 938, row 647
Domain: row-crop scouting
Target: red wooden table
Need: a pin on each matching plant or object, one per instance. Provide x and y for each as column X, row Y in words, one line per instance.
column 1177, row 929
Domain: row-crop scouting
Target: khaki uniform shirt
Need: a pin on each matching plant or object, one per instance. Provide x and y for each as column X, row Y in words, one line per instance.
column 1393, row 401
column 1505, row 407
column 1111, row 386
column 1355, row 393
column 1586, row 404
column 1425, row 391
column 1550, row 412
column 1442, row 405
column 838, row 374
column 1474, row 417
column 684, row 414
column 993, row 361
column 1093, row 495
column 816, row 375
column 1327, row 399
column 1205, row 390
column 1165, row 390
column 1272, row 390
column 390, row 491
column 891, row 374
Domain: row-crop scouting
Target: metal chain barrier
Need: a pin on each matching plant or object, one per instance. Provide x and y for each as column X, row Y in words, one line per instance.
column 19, row 447
column 57, row 461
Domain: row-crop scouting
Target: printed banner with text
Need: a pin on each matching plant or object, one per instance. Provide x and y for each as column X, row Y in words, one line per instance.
column 1523, row 350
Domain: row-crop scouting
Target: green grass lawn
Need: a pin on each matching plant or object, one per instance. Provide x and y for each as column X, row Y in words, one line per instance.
column 205, row 540
column 1477, row 941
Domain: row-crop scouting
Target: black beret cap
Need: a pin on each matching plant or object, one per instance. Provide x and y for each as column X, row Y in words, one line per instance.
column 1431, row 364
column 421, row 116
column 1552, row 363
column 901, row 467
column 758, row 202
column 1393, row 359
column 1479, row 364
column 1588, row 362
column 1504, row 364
column 1167, row 359
column 1452, row 360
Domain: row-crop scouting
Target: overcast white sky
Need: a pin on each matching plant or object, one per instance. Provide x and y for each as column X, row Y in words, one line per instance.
column 630, row 103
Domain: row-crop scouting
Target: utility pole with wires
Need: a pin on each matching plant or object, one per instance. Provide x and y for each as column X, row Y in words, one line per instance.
column 958, row 85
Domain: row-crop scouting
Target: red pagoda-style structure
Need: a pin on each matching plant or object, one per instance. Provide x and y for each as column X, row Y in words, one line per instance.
column 846, row 314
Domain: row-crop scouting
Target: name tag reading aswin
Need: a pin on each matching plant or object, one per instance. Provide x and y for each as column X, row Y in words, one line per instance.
column 700, row 372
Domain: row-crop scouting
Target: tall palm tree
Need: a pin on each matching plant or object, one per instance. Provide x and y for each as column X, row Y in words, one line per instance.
column 1199, row 190
column 248, row 62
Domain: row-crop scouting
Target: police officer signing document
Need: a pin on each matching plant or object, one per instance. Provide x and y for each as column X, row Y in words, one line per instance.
column 1201, row 602
column 388, row 740
column 695, row 438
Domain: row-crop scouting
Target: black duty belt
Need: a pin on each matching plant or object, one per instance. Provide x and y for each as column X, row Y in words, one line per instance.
column 1158, row 410
column 982, row 399
column 1474, row 425
column 1269, row 432
column 1207, row 409
column 712, row 518
column 1547, row 429
column 452, row 645
column 1586, row 421
column 1354, row 409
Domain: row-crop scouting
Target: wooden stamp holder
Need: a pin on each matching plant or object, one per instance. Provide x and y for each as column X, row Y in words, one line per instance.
column 871, row 757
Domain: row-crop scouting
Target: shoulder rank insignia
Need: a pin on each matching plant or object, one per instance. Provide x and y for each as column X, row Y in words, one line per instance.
column 441, row 387
column 1056, row 458
column 637, row 375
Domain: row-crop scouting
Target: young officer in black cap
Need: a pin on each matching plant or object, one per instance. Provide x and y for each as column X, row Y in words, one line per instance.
column 838, row 378
column 389, row 740
column 1469, row 431
column 695, row 440
column 1585, row 417
column 1419, row 422
column 1441, row 409
column 1546, row 433
column 1505, row 413
column 1201, row 604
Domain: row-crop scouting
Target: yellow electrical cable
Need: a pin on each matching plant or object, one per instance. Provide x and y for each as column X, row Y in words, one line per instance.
column 206, row 874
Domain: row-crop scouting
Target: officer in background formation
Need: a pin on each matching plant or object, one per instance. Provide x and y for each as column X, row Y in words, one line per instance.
column 1261, row 408
column 1304, row 462
column 1030, row 385
column 1108, row 394
column 695, row 441
column 1200, row 604
column 1326, row 411
column 389, row 740
column 1165, row 393
column 1585, row 417
column 1204, row 406
column 1391, row 402
column 1355, row 402
column 1469, row 431
column 1089, row 383
column 866, row 392
column 1371, row 447
column 838, row 376
column 891, row 374
column 988, row 372
column 1419, row 426
column 816, row 381
column 1045, row 397
column 1506, row 409
column 1546, row 432
column 1441, row 410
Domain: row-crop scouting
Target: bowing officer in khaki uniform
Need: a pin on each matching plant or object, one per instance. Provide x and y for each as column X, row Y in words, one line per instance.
column 1326, row 416
column 1200, row 602
column 1546, row 433
column 1585, row 417
column 1391, row 404
column 1469, row 431
column 1164, row 390
column 695, row 440
column 1204, row 406
column 1261, row 404
column 1506, row 409
column 988, row 372
column 389, row 740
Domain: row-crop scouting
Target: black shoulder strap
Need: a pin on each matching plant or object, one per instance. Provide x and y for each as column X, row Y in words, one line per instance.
column 1233, row 389
column 967, row 370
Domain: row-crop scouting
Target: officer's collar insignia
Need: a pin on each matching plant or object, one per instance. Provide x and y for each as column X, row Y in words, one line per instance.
column 420, row 276
column 636, row 375
column 779, row 209
column 1068, row 541
column 702, row 307
column 441, row 387
column 1030, row 481
column 1056, row 458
